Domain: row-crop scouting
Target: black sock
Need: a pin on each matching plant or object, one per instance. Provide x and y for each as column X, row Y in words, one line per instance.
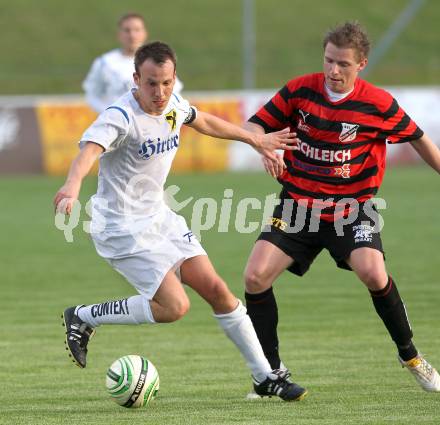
column 263, row 311
column 390, row 308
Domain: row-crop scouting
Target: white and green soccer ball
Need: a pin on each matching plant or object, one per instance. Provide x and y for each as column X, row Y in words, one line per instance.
column 132, row 381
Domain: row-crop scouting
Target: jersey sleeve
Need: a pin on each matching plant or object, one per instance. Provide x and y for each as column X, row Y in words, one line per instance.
column 275, row 114
column 191, row 115
column 189, row 111
column 397, row 126
column 94, row 86
column 109, row 130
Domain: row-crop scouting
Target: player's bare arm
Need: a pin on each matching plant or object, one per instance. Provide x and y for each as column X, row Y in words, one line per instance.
column 80, row 167
column 265, row 144
column 428, row 151
column 273, row 167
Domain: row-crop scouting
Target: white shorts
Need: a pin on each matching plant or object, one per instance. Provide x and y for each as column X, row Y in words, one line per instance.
column 144, row 257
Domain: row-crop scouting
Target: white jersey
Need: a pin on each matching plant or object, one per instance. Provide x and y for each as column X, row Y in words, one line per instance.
column 139, row 151
column 110, row 76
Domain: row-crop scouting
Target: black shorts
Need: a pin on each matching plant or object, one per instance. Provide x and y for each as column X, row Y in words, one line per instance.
column 305, row 240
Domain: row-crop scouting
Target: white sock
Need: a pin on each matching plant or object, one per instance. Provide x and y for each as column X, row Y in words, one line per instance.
column 129, row 311
column 238, row 327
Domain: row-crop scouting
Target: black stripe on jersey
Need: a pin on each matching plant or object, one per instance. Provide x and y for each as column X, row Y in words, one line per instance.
column 356, row 160
column 285, row 94
column 257, row 120
column 275, row 112
column 336, row 196
column 418, row 133
column 335, row 146
column 349, row 105
column 326, row 125
column 364, row 174
column 324, row 211
column 382, row 135
column 401, row 125
column 392, row 110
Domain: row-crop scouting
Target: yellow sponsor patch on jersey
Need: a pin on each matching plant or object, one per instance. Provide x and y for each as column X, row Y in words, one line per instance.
column 171, row 119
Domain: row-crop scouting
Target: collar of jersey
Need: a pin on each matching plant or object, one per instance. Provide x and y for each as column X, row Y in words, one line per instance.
column 349, row 95
column 124, row 56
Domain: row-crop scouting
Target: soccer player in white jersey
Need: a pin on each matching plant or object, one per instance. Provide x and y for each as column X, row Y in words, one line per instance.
column 136, row 140
column 111, row 74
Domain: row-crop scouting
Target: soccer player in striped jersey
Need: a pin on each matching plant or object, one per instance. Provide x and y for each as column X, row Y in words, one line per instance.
column 343, row 124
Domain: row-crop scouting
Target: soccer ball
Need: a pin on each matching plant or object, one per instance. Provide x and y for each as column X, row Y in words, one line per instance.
column 132, row 381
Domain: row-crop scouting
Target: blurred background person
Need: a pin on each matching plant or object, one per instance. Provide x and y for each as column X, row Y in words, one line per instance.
column 111, row 74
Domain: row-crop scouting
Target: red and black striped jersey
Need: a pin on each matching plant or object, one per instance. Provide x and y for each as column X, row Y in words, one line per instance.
column 342, row 149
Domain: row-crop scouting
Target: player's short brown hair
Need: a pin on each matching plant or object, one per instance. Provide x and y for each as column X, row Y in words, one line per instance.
column 349, row 35
column 157, row 51
column 130, row 15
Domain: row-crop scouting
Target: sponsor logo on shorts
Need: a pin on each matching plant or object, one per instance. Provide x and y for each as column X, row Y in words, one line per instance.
column 363, row 233
column 278, row 223
column 189, row 235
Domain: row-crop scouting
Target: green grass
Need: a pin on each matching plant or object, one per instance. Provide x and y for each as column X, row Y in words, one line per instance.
column 48, row 45
column 330, row 335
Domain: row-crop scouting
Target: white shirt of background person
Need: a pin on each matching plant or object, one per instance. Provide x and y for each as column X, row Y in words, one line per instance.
column 111, row 74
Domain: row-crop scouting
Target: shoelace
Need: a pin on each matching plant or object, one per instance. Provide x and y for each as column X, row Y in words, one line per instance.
column 424, row 367
column 286, row 374
column 282, row 373
column 280, row 384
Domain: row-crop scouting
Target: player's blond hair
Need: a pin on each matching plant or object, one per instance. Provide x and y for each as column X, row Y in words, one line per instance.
column 349, row 35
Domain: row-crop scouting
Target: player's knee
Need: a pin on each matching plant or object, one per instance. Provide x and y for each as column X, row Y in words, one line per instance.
column 256, row 280
column 375, row 278
column 183, row 307
column 178, row 309
column 217, row 289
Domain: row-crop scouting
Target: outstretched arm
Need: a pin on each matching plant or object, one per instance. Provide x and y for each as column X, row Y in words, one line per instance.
column 428, row 151
column 265, row 144
column 80, row 167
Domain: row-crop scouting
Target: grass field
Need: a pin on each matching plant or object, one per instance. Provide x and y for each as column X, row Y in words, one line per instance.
column 330, row 335
column 49, row 48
